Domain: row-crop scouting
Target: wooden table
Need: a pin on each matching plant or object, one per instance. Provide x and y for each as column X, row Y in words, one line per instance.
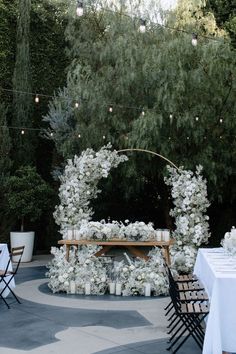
column 132, row 246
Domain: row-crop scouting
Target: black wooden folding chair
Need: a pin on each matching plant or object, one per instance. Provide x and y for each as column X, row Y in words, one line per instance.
column 188, row 317
column 6, row 275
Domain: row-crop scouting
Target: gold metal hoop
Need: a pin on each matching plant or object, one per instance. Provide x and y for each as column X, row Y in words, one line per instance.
column 153, row 153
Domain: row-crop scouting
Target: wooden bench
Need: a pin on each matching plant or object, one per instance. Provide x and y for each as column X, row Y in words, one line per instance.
column 132, row 246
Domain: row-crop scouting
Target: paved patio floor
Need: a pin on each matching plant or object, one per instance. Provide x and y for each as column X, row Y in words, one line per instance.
column 76, row 324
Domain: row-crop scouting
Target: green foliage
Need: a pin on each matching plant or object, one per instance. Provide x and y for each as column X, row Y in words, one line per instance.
column 5, row 146
column 22, row 103
column 160, row 71
column 225, row 14
column 27, row 195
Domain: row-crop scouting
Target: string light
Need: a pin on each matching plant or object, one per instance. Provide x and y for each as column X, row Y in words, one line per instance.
column 36, row 99
column 171, row 116
column 143, row 113
column 79, row 136
column 104, row 137
column 197, row 118
column 110, row 109
column 194, row 39
column 22, row 132
column 76, row 104
column 51, row 134
column 142, row 27
column 221, row 120
column 80, row 9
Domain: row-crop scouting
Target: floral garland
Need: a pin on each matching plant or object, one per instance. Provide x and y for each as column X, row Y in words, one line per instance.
column 79, row 185
column 189, row 193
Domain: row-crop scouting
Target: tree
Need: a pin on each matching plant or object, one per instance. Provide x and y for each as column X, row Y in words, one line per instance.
column 23, row 151
column 27, row 195
column 225, row 14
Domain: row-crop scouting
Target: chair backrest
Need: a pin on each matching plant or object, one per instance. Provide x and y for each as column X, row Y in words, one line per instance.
column 17, row 251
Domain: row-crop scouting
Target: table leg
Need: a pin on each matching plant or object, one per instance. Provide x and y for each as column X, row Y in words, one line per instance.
column 167, row 254
column 67, row 252
column 137, row 253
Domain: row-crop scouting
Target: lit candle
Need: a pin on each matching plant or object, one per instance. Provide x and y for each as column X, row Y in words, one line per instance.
column 112, row 288
column 87, row 289
column 147, row 289
column 72, row 287
column 118, row 288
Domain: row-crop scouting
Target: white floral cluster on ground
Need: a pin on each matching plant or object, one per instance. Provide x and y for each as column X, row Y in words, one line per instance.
column 79, row 185
column 95, row 230
column 137, row 274
column 189, row 194
column 83, row 267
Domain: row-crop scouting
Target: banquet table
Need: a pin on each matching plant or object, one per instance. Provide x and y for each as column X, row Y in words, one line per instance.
column 217, row 271
column 4, row 257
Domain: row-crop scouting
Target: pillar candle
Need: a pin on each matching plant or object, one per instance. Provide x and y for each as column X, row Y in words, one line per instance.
column 72, row 287
column 118, row 288
column 166, row 235
column 112, row 288
column 147, row 289
column 69, row 234
column 158, row 235
column 87, row 289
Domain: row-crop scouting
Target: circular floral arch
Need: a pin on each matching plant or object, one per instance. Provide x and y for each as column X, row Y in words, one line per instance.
column 79, row 185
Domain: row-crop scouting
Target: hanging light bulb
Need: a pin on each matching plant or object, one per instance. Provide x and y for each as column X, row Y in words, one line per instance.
column 197, row 118
column 194, row 39
column 36, row 99
column 76, row 104
column 104, row 137
column 143, row 112
column 187, row 137
column 171, row 116
column 142, row 27
column 110, row 109
column 51, row 134
column 221, row 120
column 80, row 9
column 22, row 132
column 79, row 136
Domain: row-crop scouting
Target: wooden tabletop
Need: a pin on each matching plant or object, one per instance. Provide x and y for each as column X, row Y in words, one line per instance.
column 116, row 243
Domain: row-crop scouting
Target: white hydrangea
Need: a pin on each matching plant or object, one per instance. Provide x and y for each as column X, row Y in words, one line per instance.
column 79, row 185
column 189, row 193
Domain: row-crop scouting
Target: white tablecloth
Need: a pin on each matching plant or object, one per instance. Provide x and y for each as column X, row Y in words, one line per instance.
column 217, row 272
column 4, row 257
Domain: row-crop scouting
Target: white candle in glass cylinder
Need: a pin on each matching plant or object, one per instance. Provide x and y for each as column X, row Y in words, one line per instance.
column 166, row 235
column 87, row 289
column 158, row 235
column 77, row 235
column 72, row 287
column 147, row 289
column 112, row 288
column 118, row 288
column 69, row 234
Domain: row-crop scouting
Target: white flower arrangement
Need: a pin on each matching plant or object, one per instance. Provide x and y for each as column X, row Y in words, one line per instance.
column 79, row 185
column 229, row 242
column 189, row 193
column 137, row 231
column 83, row 267
column 138, row 273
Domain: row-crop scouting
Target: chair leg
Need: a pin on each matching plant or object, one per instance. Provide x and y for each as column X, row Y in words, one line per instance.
column 4, row 301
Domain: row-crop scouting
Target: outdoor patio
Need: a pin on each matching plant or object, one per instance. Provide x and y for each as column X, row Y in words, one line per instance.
column 47, row 323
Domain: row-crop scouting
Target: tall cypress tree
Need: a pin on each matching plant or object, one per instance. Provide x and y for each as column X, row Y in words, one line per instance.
column 23, row 151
